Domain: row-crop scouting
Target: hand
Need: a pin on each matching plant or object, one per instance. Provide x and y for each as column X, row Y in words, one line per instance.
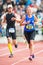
column 24, row 23
column 13, row 18
column 27, row 22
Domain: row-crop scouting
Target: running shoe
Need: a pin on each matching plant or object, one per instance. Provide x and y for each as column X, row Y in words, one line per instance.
column 11, row 55
column 16, row 46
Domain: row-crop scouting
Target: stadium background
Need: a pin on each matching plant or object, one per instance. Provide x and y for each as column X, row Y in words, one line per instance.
column 19, row 6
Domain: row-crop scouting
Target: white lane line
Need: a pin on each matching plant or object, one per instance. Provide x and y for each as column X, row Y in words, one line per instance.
column 3, row 48
column 26, row 58
column 20, row 61
column 14, row 52
column 39, row 52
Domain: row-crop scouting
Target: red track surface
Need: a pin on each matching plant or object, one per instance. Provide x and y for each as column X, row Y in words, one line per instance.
column 21, row 55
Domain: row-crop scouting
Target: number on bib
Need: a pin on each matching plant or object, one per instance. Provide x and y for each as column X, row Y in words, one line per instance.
column 11, row 30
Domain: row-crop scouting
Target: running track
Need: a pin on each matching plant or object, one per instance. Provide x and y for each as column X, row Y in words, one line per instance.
column 21, row 55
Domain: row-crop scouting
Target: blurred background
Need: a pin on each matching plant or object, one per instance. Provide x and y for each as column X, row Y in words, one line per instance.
column 19, row 7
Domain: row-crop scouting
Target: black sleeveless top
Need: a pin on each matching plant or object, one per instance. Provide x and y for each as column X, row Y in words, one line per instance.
column 10, row 23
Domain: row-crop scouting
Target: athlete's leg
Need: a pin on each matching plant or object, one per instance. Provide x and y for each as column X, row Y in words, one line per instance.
column 31, row 46
column 14, row 39
column 8, row 35
column 15, row 43
column 10, row 46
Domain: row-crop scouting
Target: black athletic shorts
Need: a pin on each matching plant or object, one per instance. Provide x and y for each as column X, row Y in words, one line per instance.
column 13, row 35
column 29, row 35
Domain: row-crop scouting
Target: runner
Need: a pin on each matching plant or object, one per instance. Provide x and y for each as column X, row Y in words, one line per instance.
column 29, row 29
column 10, row 30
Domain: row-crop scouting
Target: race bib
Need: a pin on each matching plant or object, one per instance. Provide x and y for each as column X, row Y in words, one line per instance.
column 29, row 27
column 11, row 30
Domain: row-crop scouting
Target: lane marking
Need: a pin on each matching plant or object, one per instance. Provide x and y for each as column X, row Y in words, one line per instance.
column 2, row 49
column 26, row 58
column 13, row 52
column 20, row 61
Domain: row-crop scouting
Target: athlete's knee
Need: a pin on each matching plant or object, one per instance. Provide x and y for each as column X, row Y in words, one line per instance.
column 31, row 44
column 9, row 40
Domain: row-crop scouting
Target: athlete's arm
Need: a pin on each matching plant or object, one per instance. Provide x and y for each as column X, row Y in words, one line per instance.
column 4, row 20
column 36, row 19
column 14, row 19
column 37, row 23
column 18, row 20
column 22, row 21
